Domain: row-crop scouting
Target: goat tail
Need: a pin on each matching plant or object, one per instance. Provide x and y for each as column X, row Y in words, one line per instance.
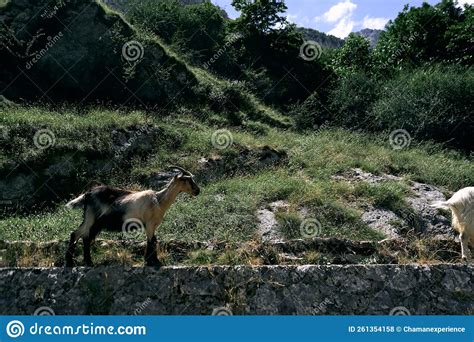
column 77, row 203
column 441, row 205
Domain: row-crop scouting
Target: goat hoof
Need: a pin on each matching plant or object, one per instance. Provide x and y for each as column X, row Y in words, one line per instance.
column 153, row 263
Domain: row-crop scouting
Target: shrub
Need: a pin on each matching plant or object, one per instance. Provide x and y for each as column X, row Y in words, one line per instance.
column 352, row 100
column 310, row 114
column 434, row 103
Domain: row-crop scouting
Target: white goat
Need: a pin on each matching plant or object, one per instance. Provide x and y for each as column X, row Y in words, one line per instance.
column 113, row 209
column 462, row 209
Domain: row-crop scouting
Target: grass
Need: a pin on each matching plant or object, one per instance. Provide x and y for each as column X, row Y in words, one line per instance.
column 227, row 208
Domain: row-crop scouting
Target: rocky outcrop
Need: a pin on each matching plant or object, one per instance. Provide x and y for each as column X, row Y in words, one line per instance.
column 241, row 290
column 81, row 51
column 55, row 174
column 424, row 219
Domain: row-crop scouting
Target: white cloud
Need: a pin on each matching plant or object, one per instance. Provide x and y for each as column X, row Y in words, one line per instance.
column 339, row 11
column 298, row 19
column 461, row 3
column 343, row 28
column 374, row 23
column 292, row 17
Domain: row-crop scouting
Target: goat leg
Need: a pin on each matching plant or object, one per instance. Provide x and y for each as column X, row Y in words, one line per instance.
column 70, row 250
column 465, row 252
column 151, row 258
column 87, row 251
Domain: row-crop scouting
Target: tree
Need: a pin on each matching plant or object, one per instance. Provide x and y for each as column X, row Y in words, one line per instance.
column 354, row 56
column 426, row 35
column 260, row 17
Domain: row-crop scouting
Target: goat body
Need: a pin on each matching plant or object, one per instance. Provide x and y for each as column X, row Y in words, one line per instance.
column 461, row 205
column 115, row 209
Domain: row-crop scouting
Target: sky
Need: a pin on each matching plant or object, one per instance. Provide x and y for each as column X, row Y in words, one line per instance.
column 340, row 17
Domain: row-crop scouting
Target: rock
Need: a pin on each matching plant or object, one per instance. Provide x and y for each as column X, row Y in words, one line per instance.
column 432, row 222
column 16, row 189
column 104, row 57
column 268, row 225
column 382, row 220
column 269, row 290
column 424, row 219
column 246, row 159
column 6, row 103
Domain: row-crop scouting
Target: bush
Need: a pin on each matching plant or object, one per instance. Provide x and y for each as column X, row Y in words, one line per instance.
column 310, row 114
column 434, row 103
column 352, row 100
column 197, row 31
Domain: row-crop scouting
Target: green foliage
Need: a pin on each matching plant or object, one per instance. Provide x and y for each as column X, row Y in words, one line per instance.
column 310, row 114
column 387, row 195
column 352, row 99
column 427, row 34
column 260, row 17
column 354, row 56
column 196, row 31
column 434, row 103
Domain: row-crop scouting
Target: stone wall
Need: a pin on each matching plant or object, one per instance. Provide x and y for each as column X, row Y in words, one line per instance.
column 267, row 290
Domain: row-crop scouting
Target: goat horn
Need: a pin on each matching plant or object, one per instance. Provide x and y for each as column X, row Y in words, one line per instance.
column 183, row 171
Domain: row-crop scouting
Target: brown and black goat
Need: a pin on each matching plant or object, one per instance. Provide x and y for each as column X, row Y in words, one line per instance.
column 115, row 209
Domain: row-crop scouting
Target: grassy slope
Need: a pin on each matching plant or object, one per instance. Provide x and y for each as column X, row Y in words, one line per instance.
column 226, row 210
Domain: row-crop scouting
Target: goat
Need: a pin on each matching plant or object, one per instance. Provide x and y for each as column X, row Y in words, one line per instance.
column 461, row 205
column 113, row 209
